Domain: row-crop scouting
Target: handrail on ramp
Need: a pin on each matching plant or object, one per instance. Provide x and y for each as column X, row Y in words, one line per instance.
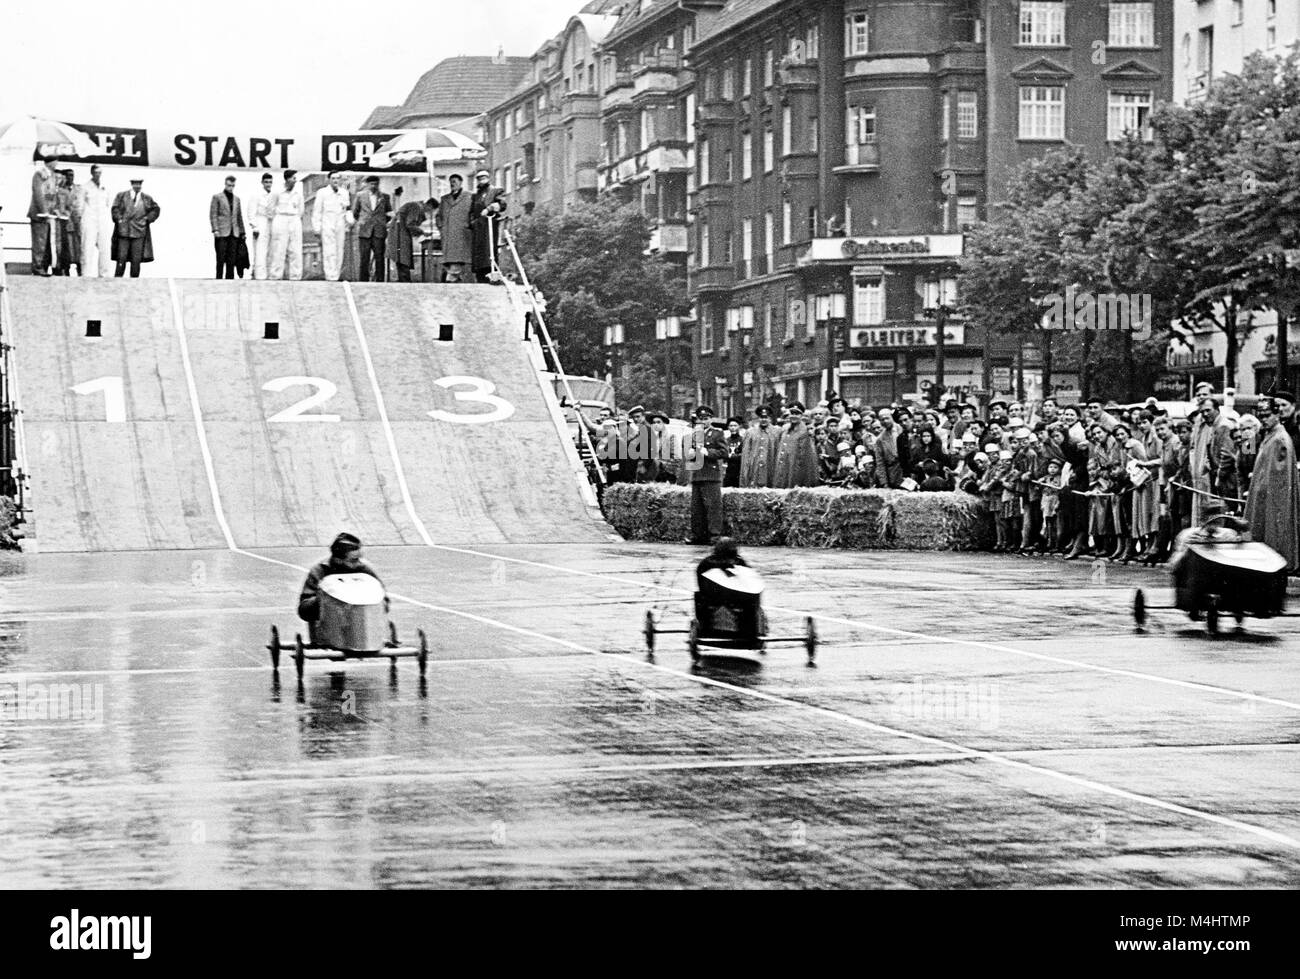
column 13, row 454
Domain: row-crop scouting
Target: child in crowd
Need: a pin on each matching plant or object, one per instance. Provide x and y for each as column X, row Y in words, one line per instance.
column 1051, row 503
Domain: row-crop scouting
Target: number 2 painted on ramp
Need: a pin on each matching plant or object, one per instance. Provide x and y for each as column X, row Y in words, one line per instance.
column 114, row 399
column 482, row 394
column 297, row 412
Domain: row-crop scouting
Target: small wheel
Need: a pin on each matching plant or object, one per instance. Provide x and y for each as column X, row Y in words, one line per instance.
column 649, row 630
column 810, row 641
column 693, row 641
column 1140, row 608
column 299, row 657
column 1212, row 616
column 274, row 647
column 424, row 651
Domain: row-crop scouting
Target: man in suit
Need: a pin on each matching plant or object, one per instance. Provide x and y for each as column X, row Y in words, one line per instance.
column 45, row 184
column 485, row 210
column 705, row 460
column 453, row 225
column 133, row 212
column 226, row 216
column 370, row 213
column 286, row 209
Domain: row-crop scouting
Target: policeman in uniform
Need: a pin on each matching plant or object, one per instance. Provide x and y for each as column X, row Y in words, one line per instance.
column 705, row 460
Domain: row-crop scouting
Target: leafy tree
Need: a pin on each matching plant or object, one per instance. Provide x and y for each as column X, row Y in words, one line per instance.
column 589, row 259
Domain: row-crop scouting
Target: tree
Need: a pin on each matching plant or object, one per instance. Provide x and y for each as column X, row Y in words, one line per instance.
column 589, row 260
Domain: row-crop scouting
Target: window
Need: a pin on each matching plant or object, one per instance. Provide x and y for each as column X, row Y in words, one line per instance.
column 1132, row 25
column 704, row 160
column 813, row 40
column 647, row 128
column 769, row 66
column 498, row 129
column 967, row 115
column 1205, row 51
column 509, row 180
column 1129, row 112
column 1270, row 37
column 945, row 111
column 813, row 137
column 941, row 292
column 868, row 302
column 1236, row 13
column 728, row 83
column 728, row 172
column 769, row 315
column 746, row 156
column 791, row 315
column 848, row 217
column 787, row 222
column 704, row 243
column 859, row 131
column 706, row 329
column 787, row 129
column 769, row 243
column 747, row 78
column 1042, row 112
column 1042, row 23
column 768, row 149
column 855, row 34
column 967, row 212
column 747, row 246
column 688, row 37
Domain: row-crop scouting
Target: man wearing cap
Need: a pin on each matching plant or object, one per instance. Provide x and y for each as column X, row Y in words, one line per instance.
column 370, row 211
column 1287, row 415
column 485, row 210
column 453, row 224
column 345, row 558
column 705, row 457
column 45, row 183
column 286, row 208
column 330, row 218
column 759, row 450
column 735, row 442
column 1218, row 460
column 1273, row 506
column 796, row 457
column 133, row 212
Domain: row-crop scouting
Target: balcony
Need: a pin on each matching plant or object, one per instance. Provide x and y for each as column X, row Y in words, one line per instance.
column 662, row 159
column 659, row 75
column 860, row 158
column 799, row 166
column 715, row 195
column 796, row 76
column 670, row 239
column 581, row 104
column 547, row 118
column 718, row 112
column 713, row 278
column 618, row 93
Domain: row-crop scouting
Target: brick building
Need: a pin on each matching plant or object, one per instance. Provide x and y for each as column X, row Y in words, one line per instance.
column 841, row 149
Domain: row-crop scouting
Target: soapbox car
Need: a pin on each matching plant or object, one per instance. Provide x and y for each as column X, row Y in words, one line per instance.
column 1217, row 570
column 352, row 626
column 729, row 622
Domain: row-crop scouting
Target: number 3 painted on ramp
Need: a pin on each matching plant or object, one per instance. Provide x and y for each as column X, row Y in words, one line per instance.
column 482, row 393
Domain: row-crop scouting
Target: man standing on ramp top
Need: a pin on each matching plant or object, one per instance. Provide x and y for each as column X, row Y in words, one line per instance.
column 370, row 211
column 286, row 210
column 259, row 222
column 227, row 219
column 133, row 212
column 345, row 558
column 485, row 210
column 330, row 219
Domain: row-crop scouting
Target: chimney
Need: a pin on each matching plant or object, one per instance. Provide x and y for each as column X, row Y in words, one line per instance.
column 500, row 58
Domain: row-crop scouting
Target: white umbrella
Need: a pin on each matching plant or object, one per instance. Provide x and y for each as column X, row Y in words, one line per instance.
column 427, row 146
column 48, row 137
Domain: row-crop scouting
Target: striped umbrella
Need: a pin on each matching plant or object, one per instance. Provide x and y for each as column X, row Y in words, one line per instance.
column 47, row 137
column 429, row 146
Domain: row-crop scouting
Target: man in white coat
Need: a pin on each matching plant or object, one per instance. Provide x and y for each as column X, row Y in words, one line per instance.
column 259, row 221
column 286, row 209
column 330, row 219
column 96, row 227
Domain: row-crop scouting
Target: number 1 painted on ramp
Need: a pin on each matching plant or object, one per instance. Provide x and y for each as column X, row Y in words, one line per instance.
column 114, row 399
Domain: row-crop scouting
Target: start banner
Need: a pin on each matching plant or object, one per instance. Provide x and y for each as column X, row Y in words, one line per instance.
column 196, row 150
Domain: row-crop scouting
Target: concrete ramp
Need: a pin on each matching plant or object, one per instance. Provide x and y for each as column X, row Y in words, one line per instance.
column 290, row 379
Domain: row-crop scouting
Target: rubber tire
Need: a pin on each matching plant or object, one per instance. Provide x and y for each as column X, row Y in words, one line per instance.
column 649, row 631
column 810, row 641
column 424, row 652
column 299, row 657
column 1140, row 608
column 275, row 649
column 693, row 641
column 1212, row 616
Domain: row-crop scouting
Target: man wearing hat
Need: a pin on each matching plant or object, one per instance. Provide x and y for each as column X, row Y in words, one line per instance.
column 1273, row 506
column 133, row 212
column 345, row 558
column 1287, row 414
column 370, row 211
column 453, row 223
column 705, row 457
column 998, row 411
column 759, row 450
column 45, row 184
column 485, row 210
column 796, row 458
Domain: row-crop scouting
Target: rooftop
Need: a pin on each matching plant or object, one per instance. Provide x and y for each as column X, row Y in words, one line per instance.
column 461, row 86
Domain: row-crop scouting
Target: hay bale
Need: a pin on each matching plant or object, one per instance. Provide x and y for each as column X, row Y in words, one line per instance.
column 941, row 522
column 754, row 516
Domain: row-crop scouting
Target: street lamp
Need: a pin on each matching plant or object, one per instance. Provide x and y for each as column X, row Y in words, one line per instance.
column 830, row 309
column 740, row 324
column 613, row 340
column 939, row 312
column 668, row 329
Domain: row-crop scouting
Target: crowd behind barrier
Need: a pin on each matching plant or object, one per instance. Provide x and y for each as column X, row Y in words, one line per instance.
column 86, row 230
column 1094, row 479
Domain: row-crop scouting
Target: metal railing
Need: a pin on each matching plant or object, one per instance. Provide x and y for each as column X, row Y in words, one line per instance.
column 13, row 445
column 548, row 346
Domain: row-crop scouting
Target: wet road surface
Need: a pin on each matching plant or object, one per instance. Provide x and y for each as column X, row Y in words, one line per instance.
column 974, row 721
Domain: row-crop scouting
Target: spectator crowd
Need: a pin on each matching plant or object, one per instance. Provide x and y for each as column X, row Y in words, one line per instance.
column 83, row 229
column 1089, row 480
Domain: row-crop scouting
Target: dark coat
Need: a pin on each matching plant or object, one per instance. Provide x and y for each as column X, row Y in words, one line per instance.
column 309, row 599
column 483, row 205
column 706, row 456
column 403, row 231
column 453, row 222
